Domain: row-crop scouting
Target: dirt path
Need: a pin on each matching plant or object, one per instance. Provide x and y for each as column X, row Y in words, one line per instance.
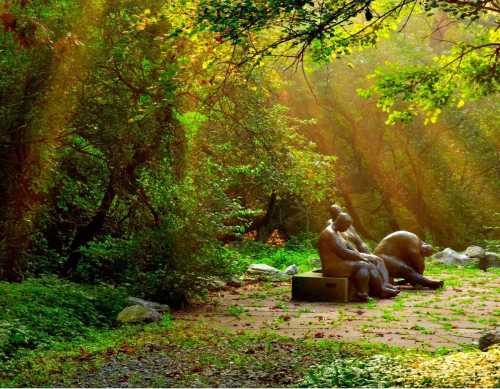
column 424, row 319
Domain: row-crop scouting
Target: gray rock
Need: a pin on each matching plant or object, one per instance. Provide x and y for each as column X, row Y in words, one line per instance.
column 474, row 252
column 291, row 270
column 148, row 304
column 450, row 257
column 489, row 339
column 260, row 268
column 493, row 258
column 214, row 283
column 138, row 314
column 490, row 259
column 235, row 282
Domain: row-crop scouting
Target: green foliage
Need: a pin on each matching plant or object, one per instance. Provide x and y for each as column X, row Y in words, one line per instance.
column 41, row 311
column 492, row 245
column 300, row 251
column 235, row 310
column 378, row 371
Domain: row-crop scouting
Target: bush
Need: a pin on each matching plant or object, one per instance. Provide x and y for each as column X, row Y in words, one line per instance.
column 40, row 311
column 154, row 266
column 456, row 370
column 379, row 371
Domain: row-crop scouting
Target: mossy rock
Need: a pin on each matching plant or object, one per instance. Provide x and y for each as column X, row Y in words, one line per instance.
column 138, row 314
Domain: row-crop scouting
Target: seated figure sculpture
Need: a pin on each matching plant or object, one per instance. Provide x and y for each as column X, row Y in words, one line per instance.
column 341, row 259
column 404, row 255
column 355, row 241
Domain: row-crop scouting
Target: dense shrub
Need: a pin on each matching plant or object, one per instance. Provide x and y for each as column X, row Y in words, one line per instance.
column 454, row 370
column 371, row 372
column 40, row 311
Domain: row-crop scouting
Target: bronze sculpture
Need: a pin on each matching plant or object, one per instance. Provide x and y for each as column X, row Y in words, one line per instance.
column 353, row 238
column 351, row 235
column 404, row 255
column 340, row 259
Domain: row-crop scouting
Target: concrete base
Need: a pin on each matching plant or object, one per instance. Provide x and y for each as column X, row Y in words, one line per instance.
column 312, row 286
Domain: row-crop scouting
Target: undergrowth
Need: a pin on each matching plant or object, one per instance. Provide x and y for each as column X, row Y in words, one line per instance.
column 39, row 312
column 300, row 251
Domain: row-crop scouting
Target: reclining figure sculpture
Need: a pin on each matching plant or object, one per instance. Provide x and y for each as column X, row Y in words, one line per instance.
column 404, row 256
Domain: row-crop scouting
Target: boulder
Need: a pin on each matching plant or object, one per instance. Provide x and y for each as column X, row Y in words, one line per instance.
column 474, row 252
column 490, row 259
column 148, row 304
column 138, row 314
column 450, row 257
column 291, row 270
column 260, row 268
column 489, row 339
column 215, row 283
column 235, row 282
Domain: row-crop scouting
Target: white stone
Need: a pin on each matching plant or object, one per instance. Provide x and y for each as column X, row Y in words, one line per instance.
column 291, row 270
column 474, row 252
column 262, row 268
column 450, row 257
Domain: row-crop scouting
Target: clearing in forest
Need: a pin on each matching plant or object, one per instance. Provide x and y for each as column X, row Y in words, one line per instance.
column 451, row 317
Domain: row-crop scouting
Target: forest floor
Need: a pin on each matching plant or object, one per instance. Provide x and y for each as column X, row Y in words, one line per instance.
column 254, row 336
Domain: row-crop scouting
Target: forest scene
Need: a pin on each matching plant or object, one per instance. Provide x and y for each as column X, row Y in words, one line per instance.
column 249, row 193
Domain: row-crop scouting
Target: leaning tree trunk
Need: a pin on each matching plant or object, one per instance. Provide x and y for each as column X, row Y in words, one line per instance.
column 264, row 226
column 88, row 232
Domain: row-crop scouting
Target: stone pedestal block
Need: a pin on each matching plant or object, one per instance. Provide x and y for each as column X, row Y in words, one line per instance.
column 312, row 286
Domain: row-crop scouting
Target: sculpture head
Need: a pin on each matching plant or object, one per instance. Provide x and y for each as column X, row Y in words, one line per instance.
column 426, row 250
column 335, row 210
column 343, row 222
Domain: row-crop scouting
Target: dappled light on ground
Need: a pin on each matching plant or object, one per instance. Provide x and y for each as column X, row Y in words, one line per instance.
column 418, row 318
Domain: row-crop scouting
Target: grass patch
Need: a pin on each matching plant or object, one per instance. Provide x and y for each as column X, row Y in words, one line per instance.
column 235, row 310
column 39, row 312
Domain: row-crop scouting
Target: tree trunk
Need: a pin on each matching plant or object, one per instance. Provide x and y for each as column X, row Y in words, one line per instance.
column 264, row 225
column 87, row 232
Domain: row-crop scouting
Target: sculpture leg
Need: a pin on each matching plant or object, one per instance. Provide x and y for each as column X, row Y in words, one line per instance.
column 384, row 273
column 361, row 281
column 382, row 270
column 377, row 286
column 400, row 269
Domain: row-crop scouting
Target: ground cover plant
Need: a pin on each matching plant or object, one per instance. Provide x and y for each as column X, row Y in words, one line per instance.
column 42, row 311
column 184, row 354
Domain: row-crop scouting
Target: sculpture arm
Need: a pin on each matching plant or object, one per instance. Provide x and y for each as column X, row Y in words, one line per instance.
column 343, row 252
column 360, row 245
